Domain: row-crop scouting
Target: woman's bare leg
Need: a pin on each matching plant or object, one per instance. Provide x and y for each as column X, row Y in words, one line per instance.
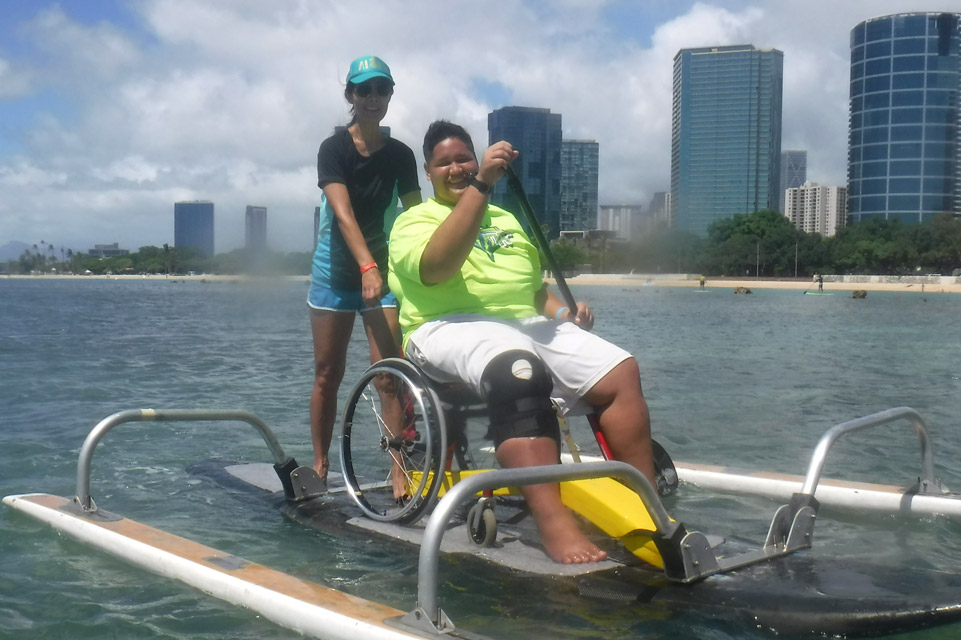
column 331, row 331
column 383, row 336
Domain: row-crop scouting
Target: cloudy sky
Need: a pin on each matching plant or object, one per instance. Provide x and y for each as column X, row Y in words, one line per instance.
column 112, row 110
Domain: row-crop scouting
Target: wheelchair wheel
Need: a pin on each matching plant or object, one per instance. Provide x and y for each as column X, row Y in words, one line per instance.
column 393, row 443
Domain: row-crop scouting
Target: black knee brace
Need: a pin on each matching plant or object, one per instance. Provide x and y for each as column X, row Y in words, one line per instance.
column 517, row 388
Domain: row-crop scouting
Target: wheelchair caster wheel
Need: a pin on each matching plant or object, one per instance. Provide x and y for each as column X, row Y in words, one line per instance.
column 481, row 524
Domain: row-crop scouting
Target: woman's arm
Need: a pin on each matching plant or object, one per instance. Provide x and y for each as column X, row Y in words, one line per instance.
column 372, row 284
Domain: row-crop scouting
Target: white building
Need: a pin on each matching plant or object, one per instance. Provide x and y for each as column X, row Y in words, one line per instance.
column 625, row 220
column 816, row 209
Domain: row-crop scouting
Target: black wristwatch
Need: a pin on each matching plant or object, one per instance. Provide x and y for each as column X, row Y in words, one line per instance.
column 483, row 187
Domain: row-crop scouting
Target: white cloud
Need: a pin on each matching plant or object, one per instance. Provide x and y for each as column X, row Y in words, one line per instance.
column 228, row 101
column 13, row 83
column 24, row 174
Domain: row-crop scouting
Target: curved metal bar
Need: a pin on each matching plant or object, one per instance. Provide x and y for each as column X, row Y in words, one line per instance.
column 876, row 419
column 427, row 575
column 169, row 415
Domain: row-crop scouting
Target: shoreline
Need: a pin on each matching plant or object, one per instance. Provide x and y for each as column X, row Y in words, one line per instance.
column 906, row 284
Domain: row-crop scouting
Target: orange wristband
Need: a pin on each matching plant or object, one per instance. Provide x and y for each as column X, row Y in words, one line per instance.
column 367, row 267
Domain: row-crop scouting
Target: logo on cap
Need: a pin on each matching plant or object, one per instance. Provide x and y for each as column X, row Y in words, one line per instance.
column 363, row 69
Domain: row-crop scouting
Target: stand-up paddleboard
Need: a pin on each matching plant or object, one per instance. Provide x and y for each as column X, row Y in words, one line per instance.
column 818, row 293
column 802, row 593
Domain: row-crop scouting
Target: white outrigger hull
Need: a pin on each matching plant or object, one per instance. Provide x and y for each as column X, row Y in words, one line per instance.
column 837, row 494
column 309, row 608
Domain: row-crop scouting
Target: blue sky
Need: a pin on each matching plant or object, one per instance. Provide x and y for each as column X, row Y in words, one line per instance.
column 111, row 110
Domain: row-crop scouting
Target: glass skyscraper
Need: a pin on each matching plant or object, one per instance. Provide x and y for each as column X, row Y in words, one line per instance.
column 255, row 229
column 579, row 162
column 194, row 226
column 794, row 172
column 725, row 134
column 904, row 153
column 536, row 133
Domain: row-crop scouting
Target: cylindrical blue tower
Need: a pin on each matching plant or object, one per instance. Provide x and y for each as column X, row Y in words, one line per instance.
column 904, row 147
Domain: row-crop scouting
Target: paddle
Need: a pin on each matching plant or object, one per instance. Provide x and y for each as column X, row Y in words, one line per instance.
column 663, row 465
column 515, row 185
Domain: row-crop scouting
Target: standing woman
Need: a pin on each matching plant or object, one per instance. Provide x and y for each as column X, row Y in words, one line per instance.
column 362, row 173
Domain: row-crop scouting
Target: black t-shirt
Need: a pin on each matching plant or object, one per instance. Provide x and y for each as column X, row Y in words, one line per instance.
column 370, row 183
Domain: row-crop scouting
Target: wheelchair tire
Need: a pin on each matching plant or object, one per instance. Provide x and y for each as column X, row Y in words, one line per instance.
column 391, row 424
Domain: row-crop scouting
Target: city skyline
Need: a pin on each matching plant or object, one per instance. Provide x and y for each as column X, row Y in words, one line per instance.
column 111, row 111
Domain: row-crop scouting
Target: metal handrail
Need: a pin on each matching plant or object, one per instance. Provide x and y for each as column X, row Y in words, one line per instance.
column 427, row 578
column 168, row 415
column 876, row 419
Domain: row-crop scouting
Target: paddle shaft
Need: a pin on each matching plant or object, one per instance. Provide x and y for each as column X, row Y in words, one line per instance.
column 515, row 185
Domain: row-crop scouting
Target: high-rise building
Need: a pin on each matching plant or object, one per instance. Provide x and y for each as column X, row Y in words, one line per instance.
column 904, row 153
column 794, row 172
column 725, row 134
column 814, row 208
column 255, row 229
column 660, row 207
column 579, row 159
column 194, row 226
column 627, row 221
column 536, row 133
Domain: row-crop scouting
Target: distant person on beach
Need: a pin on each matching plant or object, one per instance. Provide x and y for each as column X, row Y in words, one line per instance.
column 361, row 172
column 474, row 309
column 703, row 280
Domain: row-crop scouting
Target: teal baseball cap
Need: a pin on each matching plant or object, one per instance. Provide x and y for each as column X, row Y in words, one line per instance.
column 366, row 68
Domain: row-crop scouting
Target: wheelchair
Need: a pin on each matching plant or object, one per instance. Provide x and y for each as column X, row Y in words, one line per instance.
column 401, row 429
column 405, row 436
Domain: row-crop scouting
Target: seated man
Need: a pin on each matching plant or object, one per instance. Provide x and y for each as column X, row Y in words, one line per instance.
column 474, row 309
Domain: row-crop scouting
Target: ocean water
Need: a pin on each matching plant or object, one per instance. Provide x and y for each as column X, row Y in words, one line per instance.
column 750, row 381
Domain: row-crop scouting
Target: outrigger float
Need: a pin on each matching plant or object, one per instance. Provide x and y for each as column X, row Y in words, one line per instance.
column 662, row 564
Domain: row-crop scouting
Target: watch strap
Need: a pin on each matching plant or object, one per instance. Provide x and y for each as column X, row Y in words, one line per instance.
column 483, row 187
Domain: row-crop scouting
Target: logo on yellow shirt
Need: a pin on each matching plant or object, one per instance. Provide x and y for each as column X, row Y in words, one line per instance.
column 491, row 239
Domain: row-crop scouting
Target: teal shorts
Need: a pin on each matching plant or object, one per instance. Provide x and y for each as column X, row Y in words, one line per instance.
column 324, row 299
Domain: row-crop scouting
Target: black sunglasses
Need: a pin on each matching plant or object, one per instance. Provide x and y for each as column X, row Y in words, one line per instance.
column 381, row 88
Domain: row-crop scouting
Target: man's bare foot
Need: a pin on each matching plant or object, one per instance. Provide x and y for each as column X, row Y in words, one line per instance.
column 566, row 543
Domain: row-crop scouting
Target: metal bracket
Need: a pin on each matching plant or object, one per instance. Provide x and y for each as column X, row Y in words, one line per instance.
column 422, row 621
column 793, row 524
column 306, row 484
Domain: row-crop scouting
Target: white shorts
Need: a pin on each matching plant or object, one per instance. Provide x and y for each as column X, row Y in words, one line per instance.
column 459, row 348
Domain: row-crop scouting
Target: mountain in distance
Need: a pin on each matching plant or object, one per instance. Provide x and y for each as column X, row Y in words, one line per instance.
column 13, row 250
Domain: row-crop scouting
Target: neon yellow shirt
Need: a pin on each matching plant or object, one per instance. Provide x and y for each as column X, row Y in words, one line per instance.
column 499, row 277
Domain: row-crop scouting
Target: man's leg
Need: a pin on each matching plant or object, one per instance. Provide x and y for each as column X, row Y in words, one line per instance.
column 625, row 420
column 466, row 351
column 563, row 539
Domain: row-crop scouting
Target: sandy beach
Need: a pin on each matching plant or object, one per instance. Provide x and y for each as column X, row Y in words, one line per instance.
column 906, row 284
